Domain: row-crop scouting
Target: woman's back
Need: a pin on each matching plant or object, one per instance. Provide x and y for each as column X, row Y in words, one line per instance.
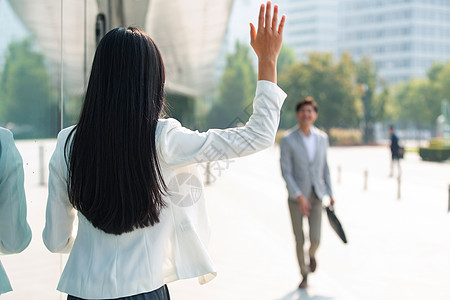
column 110, row 259
column 100, row 263
column 114, row 175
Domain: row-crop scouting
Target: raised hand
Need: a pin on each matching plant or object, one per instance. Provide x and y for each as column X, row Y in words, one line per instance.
column 267, row 40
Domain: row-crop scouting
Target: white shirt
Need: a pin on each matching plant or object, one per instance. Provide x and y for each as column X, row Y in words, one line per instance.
column 103, row 265
column 310, row 144
column 15, row 233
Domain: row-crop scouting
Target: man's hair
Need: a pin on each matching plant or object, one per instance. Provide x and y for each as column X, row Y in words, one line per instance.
column 307, row 101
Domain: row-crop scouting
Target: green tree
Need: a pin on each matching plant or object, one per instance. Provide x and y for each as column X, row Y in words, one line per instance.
column 438, row 90
column 236, row 90
column 417, row 102
column 329, row 83
column 373, row 106
column 181, row 107
column 26, row 96
column 381, row 101
column 434, row 71
column 286, row 58
column 440, row 80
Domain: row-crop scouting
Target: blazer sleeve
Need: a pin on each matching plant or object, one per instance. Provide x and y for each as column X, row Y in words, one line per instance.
column 180, row 146
column 287, row 169
column 15, row 233
column 60, row 214
column 326, row 171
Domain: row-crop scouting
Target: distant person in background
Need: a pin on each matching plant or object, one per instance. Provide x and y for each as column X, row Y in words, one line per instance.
column 395, row 151
column 15, row 233
column 305, row 169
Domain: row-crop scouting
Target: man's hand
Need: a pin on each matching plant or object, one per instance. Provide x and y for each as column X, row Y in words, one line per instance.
column 266, row 41
column 304, row 204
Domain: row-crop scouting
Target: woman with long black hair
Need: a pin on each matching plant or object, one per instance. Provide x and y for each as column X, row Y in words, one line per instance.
column 132, row 177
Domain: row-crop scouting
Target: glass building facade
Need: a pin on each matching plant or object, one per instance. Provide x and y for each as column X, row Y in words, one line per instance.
column 403, row 37
column 312, row 25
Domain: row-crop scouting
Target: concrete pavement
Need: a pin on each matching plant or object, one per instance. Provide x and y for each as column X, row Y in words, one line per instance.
column 398, row 248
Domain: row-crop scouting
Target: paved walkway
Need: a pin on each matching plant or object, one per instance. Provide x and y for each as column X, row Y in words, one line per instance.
column 398, row 248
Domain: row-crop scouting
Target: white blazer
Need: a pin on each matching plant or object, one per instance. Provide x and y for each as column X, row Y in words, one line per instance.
column 15, row 233
column 104, row 265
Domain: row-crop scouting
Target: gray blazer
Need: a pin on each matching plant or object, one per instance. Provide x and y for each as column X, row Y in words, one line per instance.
column 300, row 174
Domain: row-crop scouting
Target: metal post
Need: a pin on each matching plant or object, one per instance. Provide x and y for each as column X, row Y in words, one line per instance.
column 366, row 174
column 399, row 181
column 339, row 174
column 41, row 166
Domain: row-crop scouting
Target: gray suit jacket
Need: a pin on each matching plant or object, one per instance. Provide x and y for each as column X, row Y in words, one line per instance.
column 300, row 174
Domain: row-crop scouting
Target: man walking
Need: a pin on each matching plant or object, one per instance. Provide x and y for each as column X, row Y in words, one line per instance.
column 305, row 169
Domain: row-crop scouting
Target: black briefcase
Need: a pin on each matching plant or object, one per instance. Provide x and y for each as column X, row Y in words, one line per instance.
column 335, row 224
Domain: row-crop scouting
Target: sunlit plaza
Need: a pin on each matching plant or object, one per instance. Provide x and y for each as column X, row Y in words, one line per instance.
column 368, row 64
column 397, row 247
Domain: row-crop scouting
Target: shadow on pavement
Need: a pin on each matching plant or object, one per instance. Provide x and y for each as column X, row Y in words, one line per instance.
column 299, row 294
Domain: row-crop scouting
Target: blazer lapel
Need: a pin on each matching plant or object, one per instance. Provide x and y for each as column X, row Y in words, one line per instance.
column 302, row 143
column 318, row 144
column 304, row 151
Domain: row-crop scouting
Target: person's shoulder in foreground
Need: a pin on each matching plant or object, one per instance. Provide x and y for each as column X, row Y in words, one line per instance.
column 5, row 135
column 15, row 233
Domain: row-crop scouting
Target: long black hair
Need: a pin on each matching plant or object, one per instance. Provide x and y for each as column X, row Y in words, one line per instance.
column 114, row 178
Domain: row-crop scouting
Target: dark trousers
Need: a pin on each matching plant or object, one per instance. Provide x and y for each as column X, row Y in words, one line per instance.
column 160, row 294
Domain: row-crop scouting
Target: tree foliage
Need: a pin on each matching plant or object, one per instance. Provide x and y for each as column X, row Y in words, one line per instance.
column 337, row 87
column 286, row 58
column 417, row 102
column 26, row 97
column 236, row 90
column 330, row 83
column 181, row 107
column 373, row 106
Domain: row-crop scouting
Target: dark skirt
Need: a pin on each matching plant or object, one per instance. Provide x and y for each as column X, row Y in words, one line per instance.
column 160, row 294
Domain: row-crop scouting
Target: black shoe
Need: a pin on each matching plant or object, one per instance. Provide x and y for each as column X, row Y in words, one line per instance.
column 304, row 283
column 312, row 264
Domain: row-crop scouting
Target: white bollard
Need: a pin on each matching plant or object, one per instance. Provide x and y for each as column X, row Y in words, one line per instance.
column 366, row 174
column 41, row 166
column 339, row 174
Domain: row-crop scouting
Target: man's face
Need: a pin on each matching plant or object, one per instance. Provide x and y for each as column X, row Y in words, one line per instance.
column 306, row 115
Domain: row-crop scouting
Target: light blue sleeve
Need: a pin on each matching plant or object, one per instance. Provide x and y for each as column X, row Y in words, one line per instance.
column 15, row 233
column 5, row 285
